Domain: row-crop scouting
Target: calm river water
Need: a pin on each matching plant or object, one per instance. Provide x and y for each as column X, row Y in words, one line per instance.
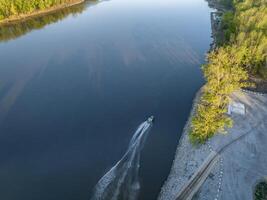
column 75, row 85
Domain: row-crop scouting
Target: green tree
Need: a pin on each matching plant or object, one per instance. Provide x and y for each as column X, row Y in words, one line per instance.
column 224, row 75
column 13, row 8
column 241, row 54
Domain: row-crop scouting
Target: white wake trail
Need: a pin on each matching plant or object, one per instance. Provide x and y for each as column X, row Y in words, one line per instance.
column 121, row 182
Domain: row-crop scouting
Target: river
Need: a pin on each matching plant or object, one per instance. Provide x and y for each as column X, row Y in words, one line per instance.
column 76, row 84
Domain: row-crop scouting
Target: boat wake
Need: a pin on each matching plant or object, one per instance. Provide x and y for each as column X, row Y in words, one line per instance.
column 122, row 180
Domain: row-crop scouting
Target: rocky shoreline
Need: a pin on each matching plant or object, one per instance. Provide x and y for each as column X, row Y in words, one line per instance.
column 188, row 159
column 228, row 179
column 242, row 162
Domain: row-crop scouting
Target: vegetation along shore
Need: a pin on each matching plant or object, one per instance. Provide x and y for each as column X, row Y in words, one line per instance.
column 16, row 10
column 238, row 58
column 236, row 61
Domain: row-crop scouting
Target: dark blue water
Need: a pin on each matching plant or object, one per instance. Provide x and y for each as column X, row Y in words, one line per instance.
column 73, row 91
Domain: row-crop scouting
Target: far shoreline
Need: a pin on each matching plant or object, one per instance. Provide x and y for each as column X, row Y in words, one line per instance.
column 38, row 13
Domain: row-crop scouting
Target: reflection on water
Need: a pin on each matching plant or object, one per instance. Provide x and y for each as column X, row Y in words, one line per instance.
column 20, row 28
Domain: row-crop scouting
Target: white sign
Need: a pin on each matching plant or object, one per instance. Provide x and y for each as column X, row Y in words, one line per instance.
column 237, row 108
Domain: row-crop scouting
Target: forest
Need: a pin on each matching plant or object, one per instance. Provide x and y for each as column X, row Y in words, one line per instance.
column 18, row 29
column 15, row 8
column 239, row 56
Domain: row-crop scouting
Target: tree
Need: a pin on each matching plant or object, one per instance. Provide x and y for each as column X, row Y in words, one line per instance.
column 13, row 8
column 224, row 75
column 242, row 54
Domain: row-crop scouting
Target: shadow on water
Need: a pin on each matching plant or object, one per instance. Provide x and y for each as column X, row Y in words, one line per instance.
column 17, row 29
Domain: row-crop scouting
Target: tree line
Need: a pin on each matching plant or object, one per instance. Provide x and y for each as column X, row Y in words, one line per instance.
column 17, row 29
column 14, row 8
column 241, row 54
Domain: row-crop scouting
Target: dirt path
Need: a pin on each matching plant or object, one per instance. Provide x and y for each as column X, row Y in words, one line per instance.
column 242, row 164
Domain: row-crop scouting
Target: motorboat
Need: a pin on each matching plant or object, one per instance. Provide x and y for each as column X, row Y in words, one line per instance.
column 151, row 119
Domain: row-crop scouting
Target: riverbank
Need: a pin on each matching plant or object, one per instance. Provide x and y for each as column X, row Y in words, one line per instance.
column 39, row 13
column 187, row 160
column 260, row 83
column 242, row 160
column 242, row 151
